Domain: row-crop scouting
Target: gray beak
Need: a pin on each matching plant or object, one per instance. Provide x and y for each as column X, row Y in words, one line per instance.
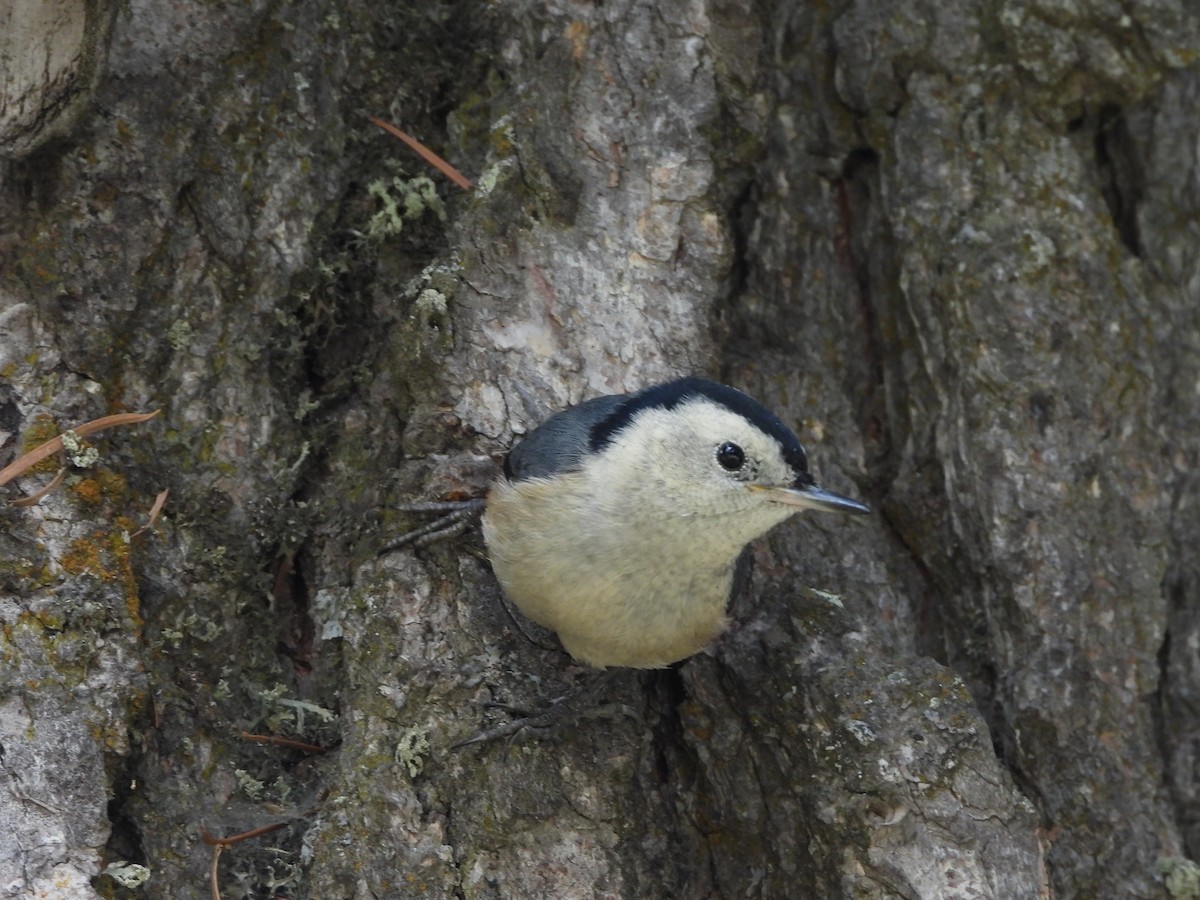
column 813, row 497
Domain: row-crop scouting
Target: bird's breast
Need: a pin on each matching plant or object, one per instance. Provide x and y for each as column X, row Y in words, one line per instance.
column 618, row 589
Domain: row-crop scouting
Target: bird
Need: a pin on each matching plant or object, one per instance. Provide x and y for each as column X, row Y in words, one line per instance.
column 618, row 523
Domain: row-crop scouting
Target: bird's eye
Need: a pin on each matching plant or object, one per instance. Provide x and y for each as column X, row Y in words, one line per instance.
column 730, row 456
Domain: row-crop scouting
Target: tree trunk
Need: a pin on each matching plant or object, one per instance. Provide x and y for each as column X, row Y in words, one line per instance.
column 954, row 244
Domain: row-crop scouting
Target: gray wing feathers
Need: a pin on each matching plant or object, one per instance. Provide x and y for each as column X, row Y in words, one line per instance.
column 559, row 443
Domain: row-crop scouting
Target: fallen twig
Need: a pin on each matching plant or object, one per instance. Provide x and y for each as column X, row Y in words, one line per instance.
column 38, row 495
column 55, row 445
column 282, row 742
column 159, row 501
column 220, row 844
column 425, row 153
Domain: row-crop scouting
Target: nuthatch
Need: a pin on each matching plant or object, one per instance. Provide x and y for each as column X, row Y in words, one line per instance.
column 619, row 522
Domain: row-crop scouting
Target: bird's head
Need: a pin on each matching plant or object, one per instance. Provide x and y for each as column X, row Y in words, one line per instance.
column 696, row 450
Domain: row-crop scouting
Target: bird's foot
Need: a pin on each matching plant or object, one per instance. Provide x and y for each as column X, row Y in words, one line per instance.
column 550, row 722
column 456, row 517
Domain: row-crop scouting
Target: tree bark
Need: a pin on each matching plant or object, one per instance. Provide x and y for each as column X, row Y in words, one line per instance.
column 954, row 244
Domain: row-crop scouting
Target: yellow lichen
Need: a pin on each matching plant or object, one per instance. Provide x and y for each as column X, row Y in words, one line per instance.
column 101, row 486
column 43, row 428
column 87, row 490
column 85, row 555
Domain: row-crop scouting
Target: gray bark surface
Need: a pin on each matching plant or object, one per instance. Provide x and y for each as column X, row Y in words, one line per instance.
column 957, row 245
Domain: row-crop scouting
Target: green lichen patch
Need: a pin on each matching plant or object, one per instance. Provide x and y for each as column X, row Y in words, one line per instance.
column 1181, row 876
column 402, row 200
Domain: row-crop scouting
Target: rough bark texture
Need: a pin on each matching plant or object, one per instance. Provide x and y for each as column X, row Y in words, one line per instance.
column 956, row 244
column 52, row 54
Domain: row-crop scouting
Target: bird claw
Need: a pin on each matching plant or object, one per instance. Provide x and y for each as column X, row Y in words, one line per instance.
column 560, row 713
column 545, row 725
column 510, row 729
column 457, row 516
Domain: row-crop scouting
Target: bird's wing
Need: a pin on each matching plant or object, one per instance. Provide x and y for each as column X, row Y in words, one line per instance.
column 558, row 444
